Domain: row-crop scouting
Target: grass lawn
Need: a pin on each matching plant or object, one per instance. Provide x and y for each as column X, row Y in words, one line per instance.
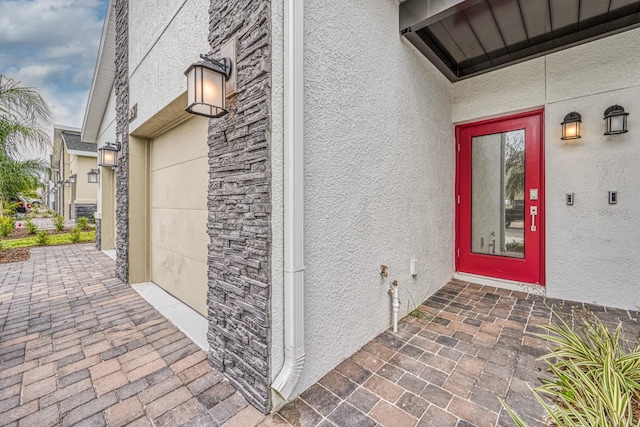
column 55, row 239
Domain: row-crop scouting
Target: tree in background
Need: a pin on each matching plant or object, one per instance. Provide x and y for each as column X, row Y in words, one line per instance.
column 23, row 117
column 18, row 176
column 514, row 165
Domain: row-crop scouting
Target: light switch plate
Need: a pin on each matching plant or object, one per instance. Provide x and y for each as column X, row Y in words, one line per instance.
column 533, row 194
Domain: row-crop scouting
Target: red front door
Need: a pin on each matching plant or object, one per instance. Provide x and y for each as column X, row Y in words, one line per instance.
column 500, row 198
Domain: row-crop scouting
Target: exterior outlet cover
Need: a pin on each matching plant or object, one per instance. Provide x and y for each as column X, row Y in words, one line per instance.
column 229, row 50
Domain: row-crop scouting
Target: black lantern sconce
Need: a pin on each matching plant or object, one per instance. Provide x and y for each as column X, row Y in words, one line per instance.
column 571, row 126
column 72, row 178
column 206, row 92
column 92, row 176
column 59, row 184
column 108, row 155
column 616, row 120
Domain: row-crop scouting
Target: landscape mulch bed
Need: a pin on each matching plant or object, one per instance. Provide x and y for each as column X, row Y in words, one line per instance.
column 14, row 255
column 20, row 233
column 23, row 254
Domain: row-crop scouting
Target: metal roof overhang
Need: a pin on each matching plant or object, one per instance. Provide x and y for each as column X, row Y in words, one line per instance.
column 464, row 38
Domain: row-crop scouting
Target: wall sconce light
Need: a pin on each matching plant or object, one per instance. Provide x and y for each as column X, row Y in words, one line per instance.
column 92, row 176
column 59, row 184
column 72, row 178
column 571, row 126
column 206, row 87
column 67, row 183
column 108, row 155
column 616, row 120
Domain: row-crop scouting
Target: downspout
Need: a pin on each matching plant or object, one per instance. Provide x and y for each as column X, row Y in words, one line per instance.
column 294, row 354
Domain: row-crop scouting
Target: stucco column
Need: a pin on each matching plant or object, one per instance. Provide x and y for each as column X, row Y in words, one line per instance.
column 138, row 210
column 72, row 209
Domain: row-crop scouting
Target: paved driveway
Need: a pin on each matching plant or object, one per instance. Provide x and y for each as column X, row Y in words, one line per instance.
column 79, row 347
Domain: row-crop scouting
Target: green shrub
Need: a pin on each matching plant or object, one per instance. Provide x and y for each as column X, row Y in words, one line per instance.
column 596, row 377
column 82, row 223
column 31, row 227
column 42, row 238
column 7, row 225
column 3, row 245
column 58, row 222
column 74, row 234
column 514, row 246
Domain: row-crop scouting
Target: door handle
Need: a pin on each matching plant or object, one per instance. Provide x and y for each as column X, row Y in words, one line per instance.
column 533, row 210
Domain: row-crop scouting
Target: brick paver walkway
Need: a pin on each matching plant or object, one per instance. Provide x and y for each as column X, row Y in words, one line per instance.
column 447, row 367
column 79, row 347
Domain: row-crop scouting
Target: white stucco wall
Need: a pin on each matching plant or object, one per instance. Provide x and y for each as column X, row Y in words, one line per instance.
column 85, row 192
column 107, row 130
column 592, row 248
column 277, row 187
column 379, row 177
column 106, row 182
column 107, row 133
column 163, row 51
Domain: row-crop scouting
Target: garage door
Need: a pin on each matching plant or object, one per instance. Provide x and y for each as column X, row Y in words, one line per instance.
column 178, row 213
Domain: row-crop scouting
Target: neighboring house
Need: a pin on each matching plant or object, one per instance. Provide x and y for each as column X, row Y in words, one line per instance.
column 348, row 146
column 71, row 193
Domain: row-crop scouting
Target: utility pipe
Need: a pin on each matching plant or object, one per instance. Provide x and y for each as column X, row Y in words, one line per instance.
column 395, row 303
column 294, row 353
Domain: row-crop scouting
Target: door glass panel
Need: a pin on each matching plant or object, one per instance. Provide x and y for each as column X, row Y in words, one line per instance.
column 497, row 194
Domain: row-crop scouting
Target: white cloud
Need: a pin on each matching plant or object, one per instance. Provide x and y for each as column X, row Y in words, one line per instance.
column 48, row 22
column 52, row 45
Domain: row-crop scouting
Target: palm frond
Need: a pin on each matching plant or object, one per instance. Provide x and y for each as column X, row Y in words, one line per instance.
column 24, row 116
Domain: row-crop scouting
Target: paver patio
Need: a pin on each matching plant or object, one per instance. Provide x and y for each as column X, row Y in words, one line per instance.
column 79, row 347
column 449, row 366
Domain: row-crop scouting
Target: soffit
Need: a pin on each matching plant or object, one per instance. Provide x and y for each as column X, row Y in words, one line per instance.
column 103, row 77
column 464, row 38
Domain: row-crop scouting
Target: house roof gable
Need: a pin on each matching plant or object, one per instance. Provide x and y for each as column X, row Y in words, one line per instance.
column 103, row 77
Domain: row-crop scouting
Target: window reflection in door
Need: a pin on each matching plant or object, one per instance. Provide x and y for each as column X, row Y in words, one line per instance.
column 497, row 194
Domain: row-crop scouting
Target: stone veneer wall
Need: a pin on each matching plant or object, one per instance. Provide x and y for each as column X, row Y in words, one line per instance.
column 239, row 205
column 122, row 131
column 85, row 210
column 98, row 234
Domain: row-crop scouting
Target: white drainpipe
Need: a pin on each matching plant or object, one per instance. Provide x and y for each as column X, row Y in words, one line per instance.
column 294, row 354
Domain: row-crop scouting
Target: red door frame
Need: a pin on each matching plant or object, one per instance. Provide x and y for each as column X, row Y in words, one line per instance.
column 488, row 127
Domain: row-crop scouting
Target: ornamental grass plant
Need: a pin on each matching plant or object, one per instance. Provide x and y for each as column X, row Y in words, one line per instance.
column 32, row 227
column 82, row 223
column 58, row 222
column 7, row 224
column 42, row 238
column 596, row 376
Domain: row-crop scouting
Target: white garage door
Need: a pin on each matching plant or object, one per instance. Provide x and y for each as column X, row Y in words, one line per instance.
column 178, row 214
